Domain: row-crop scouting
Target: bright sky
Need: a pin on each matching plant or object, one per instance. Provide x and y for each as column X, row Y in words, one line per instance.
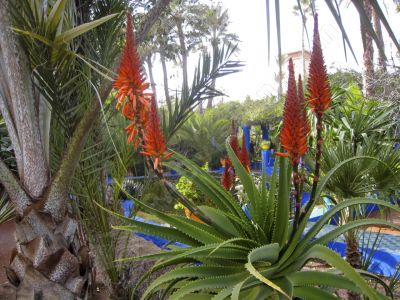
column 248, row 20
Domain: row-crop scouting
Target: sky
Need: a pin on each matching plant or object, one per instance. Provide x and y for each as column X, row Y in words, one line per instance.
column 248, row 20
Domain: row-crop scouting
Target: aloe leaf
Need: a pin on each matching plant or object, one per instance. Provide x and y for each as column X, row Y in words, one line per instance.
column 334, row 259
column 352, row 225
column 322, row 279
column 248, row 185
column 270, row 210
column 222, row 222
column 267, row 253
column 211, row 283
column 208, row 185
column 315, row 229
column 191, row 272
column 313, row 293
column 321, row 186
column 164, row 232
column 281, row 218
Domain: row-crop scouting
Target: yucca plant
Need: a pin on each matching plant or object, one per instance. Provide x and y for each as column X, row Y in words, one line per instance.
column 260, row 256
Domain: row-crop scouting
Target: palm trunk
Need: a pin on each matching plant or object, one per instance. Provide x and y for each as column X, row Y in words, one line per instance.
column 214, row 44
column 368, row 56
column 378, row 30
column 211, row 99
column 184, row 54
column 165, row 76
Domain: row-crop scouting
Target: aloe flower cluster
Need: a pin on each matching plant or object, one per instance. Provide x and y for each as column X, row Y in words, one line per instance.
column 296, row 126
column 137, row 105
column 242, row 154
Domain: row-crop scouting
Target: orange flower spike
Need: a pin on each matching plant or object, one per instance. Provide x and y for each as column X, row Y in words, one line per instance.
column 154, row 141
column 227, row 176
column 244, row 156
column 131, row 80
column 319, row 93
column 233, row 139
column 295, row 129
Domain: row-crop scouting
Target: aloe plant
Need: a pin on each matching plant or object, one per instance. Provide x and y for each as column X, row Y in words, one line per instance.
column 249, row 258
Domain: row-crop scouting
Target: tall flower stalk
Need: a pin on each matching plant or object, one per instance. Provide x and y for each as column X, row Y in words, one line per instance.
column 296, row 127
column 319, row 100
column 137, row 105
column 294, row 134
column 140, row 108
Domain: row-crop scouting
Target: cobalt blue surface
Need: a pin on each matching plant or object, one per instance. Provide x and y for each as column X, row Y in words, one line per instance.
column 265, row 132
column 246, row 133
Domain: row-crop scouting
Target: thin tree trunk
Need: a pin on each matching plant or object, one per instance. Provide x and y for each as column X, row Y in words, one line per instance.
column 211, row 99
column 151, row 76
column 214, row 44
column 378, row 30
column 165, row 77
column 184, row 54
column 368, row 56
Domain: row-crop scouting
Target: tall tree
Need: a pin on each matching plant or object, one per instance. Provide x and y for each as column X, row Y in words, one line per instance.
column 368, row 54
column 217, row 23
column 378, row 30
column 43, row 80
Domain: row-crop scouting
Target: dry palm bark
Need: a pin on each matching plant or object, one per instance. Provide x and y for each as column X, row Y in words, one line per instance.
column 51, row 260
column 368, row 55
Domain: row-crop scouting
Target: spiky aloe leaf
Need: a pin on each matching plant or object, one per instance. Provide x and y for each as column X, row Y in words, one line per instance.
column 334, row 259
column 191, row 272
column 281, row 217
column 313, row 293
column 322, row 279
column 268, row 254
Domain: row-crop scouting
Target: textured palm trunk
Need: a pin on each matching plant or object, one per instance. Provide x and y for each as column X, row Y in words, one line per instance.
column 378, row 30
column 368, row 55
column 50, row 260
column 47, row 262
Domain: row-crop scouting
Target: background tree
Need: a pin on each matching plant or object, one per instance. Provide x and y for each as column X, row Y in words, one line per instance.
column 217, row 23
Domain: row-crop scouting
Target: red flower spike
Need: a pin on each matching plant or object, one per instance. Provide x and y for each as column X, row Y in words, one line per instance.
column 233, row 139
column 154, row 141
column 295, row 129
column 319, row 93
column 131, row 80
column 227, row 176
column 244, row 156
column 130, row 85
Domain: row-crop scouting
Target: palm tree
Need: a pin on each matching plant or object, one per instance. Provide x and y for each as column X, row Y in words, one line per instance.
column 47, row 78
column 217, row 22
